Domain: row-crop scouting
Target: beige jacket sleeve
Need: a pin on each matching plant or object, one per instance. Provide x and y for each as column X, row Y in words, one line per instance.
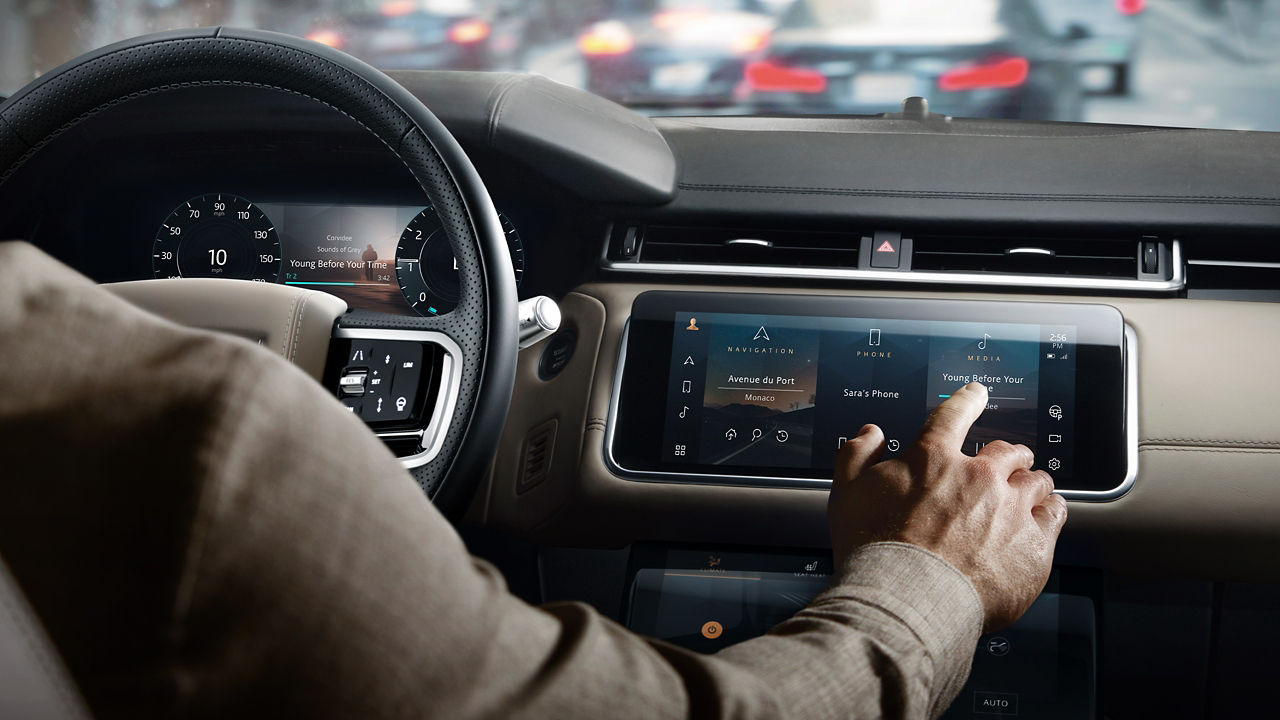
column 207, row 533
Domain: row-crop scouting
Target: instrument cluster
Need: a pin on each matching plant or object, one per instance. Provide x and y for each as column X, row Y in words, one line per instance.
column 387, row 258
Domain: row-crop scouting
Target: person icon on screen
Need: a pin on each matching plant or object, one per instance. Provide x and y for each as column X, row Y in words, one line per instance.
column 693, row 324
column 369, row 256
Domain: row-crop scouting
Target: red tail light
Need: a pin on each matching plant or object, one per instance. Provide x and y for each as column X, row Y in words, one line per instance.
column 326, row 37
column 765, row 76
column 606, row 38
column 1130, row 7
column 469, row 32
column 1005, row 72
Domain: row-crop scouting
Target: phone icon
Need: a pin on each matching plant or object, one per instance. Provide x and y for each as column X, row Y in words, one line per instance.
column 873, row 339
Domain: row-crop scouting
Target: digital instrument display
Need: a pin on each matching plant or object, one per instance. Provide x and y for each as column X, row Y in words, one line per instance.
column 774, row 388
column 380, row 258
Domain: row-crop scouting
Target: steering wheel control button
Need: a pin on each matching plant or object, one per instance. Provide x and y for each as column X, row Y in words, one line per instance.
column 712, row 630
column 352, row 383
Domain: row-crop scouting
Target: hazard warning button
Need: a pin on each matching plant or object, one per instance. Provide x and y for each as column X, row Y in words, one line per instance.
column 886, row 250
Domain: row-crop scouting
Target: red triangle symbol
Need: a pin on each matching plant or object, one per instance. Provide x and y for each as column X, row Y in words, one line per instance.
column 885, row 246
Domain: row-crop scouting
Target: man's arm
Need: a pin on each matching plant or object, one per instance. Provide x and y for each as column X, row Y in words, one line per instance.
column 207, row 533
column 354, row 596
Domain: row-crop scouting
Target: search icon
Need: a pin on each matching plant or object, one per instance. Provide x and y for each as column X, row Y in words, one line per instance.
column 755, row 434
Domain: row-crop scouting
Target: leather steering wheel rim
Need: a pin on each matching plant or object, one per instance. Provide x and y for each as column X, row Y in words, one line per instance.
column 484, row 323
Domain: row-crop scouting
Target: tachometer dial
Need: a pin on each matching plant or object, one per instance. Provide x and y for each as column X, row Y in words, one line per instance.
column 217, row 235
column 427, row 270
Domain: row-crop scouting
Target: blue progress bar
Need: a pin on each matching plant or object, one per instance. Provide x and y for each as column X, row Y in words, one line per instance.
column 300, row 282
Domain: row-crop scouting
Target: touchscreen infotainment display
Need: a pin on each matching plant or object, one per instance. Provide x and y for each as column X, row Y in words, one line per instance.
column 774, row 387
column 783, row 391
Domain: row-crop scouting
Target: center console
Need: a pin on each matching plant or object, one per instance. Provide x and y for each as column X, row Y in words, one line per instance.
column 723, row 388
column 705, row 599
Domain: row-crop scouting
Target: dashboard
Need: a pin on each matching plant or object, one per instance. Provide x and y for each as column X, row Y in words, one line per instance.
column 614, row 211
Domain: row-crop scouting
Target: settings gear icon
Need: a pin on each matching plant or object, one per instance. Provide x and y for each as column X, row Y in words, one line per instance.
column 1055, row 464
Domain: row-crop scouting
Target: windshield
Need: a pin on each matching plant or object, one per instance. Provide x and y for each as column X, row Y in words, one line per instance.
column 1199, row 63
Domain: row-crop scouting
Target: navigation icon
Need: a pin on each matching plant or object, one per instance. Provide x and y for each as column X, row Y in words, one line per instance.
column 761, row 334
column 688, row 360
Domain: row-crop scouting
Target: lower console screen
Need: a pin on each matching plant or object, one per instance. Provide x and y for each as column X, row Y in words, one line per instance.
column 774, row 393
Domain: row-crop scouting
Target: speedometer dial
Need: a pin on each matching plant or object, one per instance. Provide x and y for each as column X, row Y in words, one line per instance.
column 427, row 270
column 217, row 235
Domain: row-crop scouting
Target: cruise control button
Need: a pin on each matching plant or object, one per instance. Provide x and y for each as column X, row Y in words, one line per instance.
column 361, row 352
column 404, row 388
column 352, row 383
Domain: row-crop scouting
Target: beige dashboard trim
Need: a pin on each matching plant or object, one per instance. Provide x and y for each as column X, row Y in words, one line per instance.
column 1204, row 503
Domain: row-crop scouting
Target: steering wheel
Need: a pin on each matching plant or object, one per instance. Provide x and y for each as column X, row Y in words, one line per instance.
column 476, row 343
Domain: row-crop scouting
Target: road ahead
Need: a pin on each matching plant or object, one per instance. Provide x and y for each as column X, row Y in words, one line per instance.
column 1191, row 71
column 1189, row 74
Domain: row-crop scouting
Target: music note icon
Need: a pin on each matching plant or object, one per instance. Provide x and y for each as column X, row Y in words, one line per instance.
column 982, row 344
column 684, row 412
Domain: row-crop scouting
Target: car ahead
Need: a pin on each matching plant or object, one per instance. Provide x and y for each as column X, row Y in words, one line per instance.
column 674, row 52
column 1104, row 39
column 421, row 34
column 972, row 58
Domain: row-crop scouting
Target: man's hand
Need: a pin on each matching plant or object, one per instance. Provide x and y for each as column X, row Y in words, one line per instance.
column 990, row 516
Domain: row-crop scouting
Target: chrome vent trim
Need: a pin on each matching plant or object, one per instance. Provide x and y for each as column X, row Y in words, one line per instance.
column 1176, row 282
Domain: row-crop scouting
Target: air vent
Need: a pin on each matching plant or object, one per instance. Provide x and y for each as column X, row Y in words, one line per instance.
column 535, row 463
column 728, row 246
column 1234, row 268
column 1130, row 264
column 1040, row 256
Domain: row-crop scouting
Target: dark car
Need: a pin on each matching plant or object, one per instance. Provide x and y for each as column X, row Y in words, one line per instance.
column 973, row 58
column 427, row 34
column 1105, row 39
column 664, row 52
